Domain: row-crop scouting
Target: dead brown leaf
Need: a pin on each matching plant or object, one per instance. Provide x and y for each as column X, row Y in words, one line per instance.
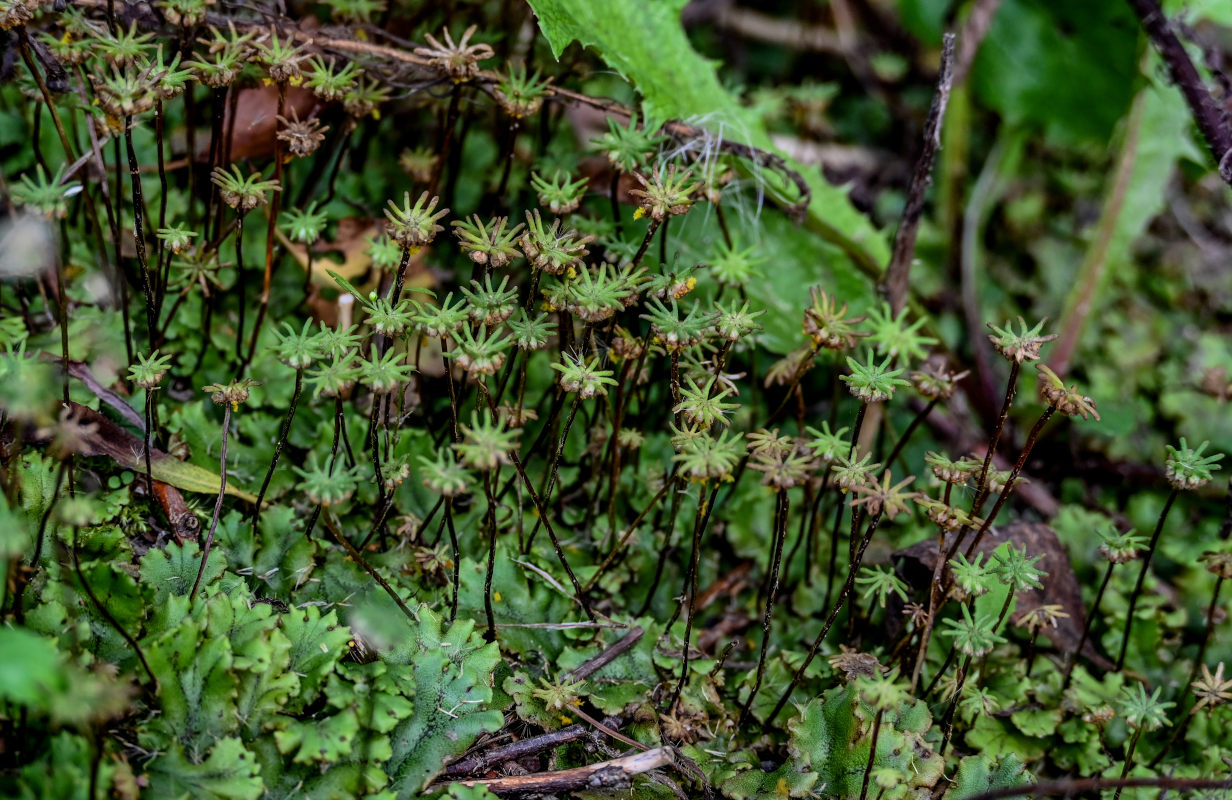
column 1060, row 587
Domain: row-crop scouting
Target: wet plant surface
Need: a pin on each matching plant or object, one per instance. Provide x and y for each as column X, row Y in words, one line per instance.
column 558, row 399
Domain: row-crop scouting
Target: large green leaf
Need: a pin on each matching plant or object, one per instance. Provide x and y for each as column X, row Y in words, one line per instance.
column 448, row 678
column 645, row 42
column 1027, row 63
column 197, row 686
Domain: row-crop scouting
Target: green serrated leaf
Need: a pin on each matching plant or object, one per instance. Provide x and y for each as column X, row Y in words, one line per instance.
column 173, row 572
column 833, row 736
column 447, row 675
column 261, row 655
column 324, row 740
column 229, row 772
column 978, row 774
column 997, row 738
column 285, row 558
column 196, row 684
column 317, row 642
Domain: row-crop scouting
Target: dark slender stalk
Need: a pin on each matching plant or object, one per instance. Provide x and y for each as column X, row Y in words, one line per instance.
column 1129, row 760
column 704, row 509
column 663, row 243
column 831, row 570
column 1011, row 482
column 1086, row 628
column 782, row 504
column 1146, row 563
column 145, row 441
column 272, row 224
column 107, row 615
column 241, row 285
column 453, row 398
column 553, row 468
column 375, row 420
column 490, row 522
column 24, row 43
column 222, row 492
column 283, row 432
column 895, row 283
column 457, row 559
column 947, row 722
column 915, row 423
column 18, row 610
column 511, row 151
column 619, row 546
column 445, row 140
column 1178, row 730
column 134, row 174
column 358, row 558
column 641, row 251
column 944, row 668
column 834, row 612
column 1207, row 112
column 159, row 139
column 872, row 754
column 1011, row 387
column 669, row 537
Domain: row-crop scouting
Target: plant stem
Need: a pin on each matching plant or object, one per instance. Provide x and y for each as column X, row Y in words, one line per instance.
column 1011, row 387
column 776, row 555
column 947, row 722
column 457, row 559
column 1129, row 760
column 490, row 522
column 134, row 174
column 107, row 615
column 1146, row 563
column 915, row 423
column 557, row 452
column 832, row 569
column 619, row 546
column 1012, row 482
column 242, row 285
column 834, row 612
column 641, row 251
column 1086, row 628
column 222, row 492
column 704, row 508
column 282, row 441
column 1178, row 730
column 872, row 754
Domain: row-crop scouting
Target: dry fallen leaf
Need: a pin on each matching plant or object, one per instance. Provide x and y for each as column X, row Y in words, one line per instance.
column 1060, row 587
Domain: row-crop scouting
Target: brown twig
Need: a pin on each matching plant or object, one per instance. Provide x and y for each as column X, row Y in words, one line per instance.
column 1211, row 120
column 895, row 283
column 781, row 31
column 976, row 27
column 516, row 750
column 616, row 774
column 618, row 648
